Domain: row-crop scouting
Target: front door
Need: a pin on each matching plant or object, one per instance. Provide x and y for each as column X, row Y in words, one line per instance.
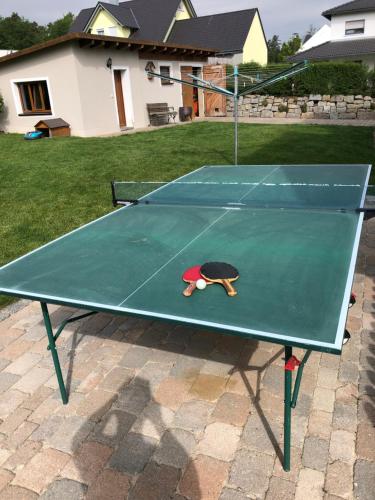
column 120, row 98
column 187, row 90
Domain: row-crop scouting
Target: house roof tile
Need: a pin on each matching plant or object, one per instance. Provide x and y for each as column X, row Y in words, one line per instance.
column 151, row 18
column 154, row 17
column 54, row 123
column 337, row 49
column 92, row 41
column 350, row 7
column 227, row 31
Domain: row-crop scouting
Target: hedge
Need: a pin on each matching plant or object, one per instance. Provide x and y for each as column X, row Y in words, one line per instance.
column 331, row 78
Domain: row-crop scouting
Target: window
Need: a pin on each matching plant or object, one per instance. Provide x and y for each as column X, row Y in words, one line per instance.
column 355, row 27
column 165, row 71
column 100, row 31
column 34, row 97
column 112, row 31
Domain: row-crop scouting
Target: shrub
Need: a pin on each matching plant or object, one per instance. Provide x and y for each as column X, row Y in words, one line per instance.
column 331, row 78
column 1, row 103
column 283, row 108
column 372, row 106
column 264, row 103
column 304, row 107
column 325, row 78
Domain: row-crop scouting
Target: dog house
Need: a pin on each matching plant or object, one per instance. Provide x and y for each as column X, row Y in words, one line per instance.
column 55, row 127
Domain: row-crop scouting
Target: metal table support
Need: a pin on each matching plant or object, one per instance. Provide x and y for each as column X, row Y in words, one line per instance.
column 290, row 398
column 52, row 344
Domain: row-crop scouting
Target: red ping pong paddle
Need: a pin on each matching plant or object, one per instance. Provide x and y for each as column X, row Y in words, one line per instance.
column 222, row 273
column 191, row 276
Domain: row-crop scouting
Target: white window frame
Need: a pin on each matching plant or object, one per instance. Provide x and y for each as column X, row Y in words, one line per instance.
column 355, row 21
column 170, row 66
column 17, row 98
column 101, row 30
column 127, row 93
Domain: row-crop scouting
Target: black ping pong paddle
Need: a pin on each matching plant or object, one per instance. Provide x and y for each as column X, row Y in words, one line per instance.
column 222, row 273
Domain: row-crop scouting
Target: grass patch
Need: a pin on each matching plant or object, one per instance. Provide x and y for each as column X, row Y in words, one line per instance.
column 49, row 187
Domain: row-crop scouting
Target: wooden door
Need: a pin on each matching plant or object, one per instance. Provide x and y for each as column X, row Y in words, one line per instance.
column 215, row 104
column 187, row 90
column 120, row 98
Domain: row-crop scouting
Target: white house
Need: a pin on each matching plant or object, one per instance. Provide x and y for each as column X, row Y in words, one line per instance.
column 351, row 37
column 323, row 35
column 97, row 84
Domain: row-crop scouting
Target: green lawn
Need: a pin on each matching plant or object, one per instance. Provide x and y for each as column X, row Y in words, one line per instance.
column 49, row 187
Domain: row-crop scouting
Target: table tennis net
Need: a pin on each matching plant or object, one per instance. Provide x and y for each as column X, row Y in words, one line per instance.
column 240, row 194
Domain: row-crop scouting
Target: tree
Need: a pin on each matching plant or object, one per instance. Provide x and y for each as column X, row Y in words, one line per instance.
column 290, row 47
column 274, row 47
column 18, row 33
column 60, row 26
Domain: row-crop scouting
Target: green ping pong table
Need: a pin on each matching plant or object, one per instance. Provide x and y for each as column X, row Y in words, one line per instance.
column 291, row 231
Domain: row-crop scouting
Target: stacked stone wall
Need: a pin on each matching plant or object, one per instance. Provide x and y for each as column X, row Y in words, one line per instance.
column 330, row 107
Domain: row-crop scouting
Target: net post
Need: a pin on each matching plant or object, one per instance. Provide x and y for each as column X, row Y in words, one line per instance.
column 113, row 191
column 55, row 356
column 236, row 115
column 287, row 409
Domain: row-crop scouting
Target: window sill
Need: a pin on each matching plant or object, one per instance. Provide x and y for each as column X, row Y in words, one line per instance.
column 38, row 113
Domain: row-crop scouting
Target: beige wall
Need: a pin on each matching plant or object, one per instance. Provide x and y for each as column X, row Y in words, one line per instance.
column 105, row 21
column 98, row 99
column 82, row 89
column 255, row 48
column 58, row 66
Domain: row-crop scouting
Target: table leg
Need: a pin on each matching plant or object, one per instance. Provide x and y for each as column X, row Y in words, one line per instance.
column 55, row 356
column 287, row 409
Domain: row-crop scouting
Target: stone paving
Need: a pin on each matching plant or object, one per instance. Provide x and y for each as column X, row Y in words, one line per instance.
column 164, row 412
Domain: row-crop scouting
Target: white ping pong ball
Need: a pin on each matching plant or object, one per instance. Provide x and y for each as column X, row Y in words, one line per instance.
column 201, row 284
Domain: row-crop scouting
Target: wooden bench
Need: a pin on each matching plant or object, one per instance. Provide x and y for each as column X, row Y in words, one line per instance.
column 160, row 113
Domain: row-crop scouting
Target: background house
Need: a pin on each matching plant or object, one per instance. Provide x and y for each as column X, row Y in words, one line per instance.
column 237, row 36
column 323, row 35
column 351, row 36
column 55, row 80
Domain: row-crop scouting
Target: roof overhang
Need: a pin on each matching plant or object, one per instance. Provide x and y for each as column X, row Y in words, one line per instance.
column 328, row 14
column 87, row 40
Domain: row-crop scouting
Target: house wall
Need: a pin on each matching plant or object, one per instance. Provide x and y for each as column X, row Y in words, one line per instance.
column 338, row 25
column 103, row 19
column 98, row 101
column 183, row 12
column 82, row 91
column 255, row 48
column 58, row 66
column 233, row 59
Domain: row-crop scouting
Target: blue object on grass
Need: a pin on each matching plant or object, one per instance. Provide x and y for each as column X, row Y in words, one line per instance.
column 35, row 134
